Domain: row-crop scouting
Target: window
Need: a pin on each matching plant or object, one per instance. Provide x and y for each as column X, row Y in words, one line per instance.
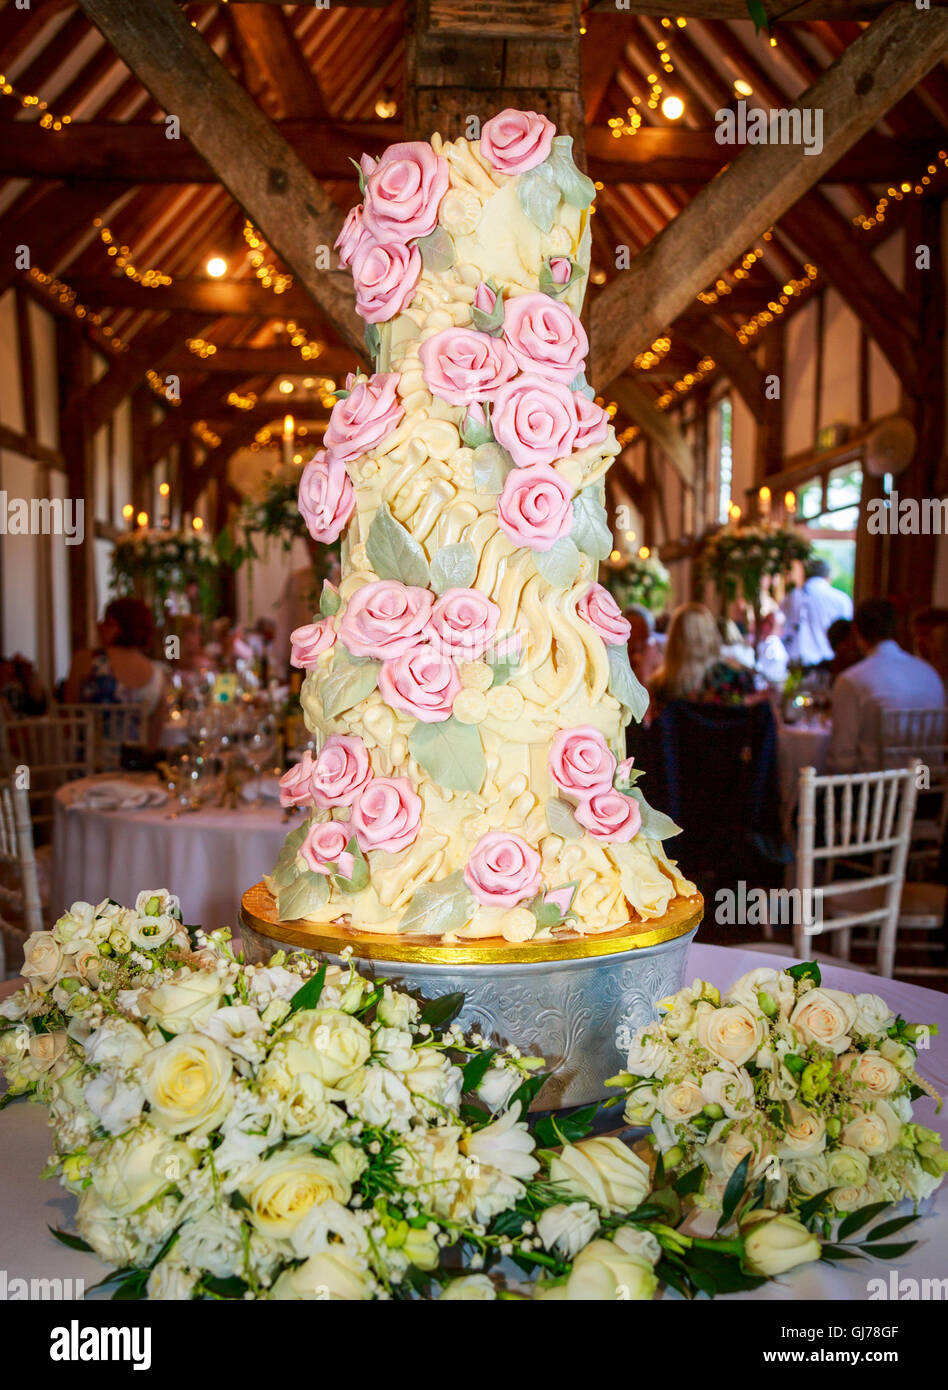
column 829, row 507
column 725, row 459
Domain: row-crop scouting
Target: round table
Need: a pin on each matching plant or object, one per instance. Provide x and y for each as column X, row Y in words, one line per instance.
column 208, row 857
column 28, row 1205
column 798, row 746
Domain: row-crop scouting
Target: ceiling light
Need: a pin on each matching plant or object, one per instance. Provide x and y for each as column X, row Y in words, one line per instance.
column 743, row 89
column 164, row 489
column 673, row 108
column 286, row 387
column 216, row 267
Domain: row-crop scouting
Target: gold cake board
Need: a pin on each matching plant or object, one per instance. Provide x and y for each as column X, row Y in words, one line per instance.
column 259, row 911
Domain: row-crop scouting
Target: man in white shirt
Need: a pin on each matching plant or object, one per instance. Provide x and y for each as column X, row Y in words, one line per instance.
column 809, row 612
column 886, row 678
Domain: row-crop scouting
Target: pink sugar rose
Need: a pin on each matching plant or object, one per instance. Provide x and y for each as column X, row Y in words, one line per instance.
column 387, row 815
column 463, row 621
column 363, row 419
column 593, row 421
column 461, row 365
column 385, row 619
column 600, row 610
column 296, row 784
column 545, row 337
column 502, row 870
column 385, row 278
column 353, row 237
column 484, row 297
column 308, row 642
column 421, row 683
column 535, row 420
column 404, row 191
column 560, row 270
column 514, row 141
column 535, row 507
column 341, row 771
column 610, row 816
column 326, row 497
column 324, row 848
column 581, row 763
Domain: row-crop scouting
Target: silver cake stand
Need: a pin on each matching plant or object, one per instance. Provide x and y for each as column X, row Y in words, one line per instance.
column 574, row 1001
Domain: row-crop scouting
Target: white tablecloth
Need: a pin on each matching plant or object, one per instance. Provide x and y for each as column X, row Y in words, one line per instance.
column 798, row 746
column 28, row 1206
column 208, row 857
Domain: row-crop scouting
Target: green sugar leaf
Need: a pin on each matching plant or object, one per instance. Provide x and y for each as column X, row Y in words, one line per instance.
column 559, row 565
column 451, row 753
column 329, row 601
column 539, row 195
column 393, row 552
column 655, row 824
column 439, row 907
column 453, row 567
column 346, row 684
column 437, row 250
column 624, row 684
column 575, row 187
column 560, row 819
column 492, row 463
column 304, row 895
column 591, row 524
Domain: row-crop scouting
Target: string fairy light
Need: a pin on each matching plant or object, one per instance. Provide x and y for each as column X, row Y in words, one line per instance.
column 240, row 402
column 161, row 387
column 30, row 102
column 206, row 435
column 67, row 300
column 896, row 193
column 266, row 272
column 151, row 279
column 686, row 383
column 776, row 306
column 651, row 357
column 200, row 347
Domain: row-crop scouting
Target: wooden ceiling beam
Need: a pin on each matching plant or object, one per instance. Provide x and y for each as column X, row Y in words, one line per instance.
column 795, row 11
column 636, row 402
column 148, row 350
column 268, row 44
column 264, row 361
column 709, row 339
column 762, row 183
column 259, row 169
column 244, row 298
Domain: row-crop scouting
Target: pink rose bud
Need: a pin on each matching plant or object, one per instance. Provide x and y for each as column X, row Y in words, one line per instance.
column 535, row 507
column 476, row 417
column 560, row 270
column 600, row 610
column 387, row 815
column 296, row 784
column 545, row 337
column 623, row 771
column 340, row 771
column 502, row 870
column 309, row 642
column 484, row 297
column 463, row 621
column 363, row 419
column 461, row 365
column 354, row 235
column 403, row 192
column 610, row 816
column 581, row 763
column 561, row 898
column 326, row 497
column 422, row 683
column 385, row 278
column 535, row 420
column 514, row 141
column 368, row 164
column 592, row 420
column 385, row 619
column 324, row 848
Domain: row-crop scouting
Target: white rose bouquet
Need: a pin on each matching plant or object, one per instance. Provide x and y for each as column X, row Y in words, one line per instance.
column 296, row 1131
column 786, row 1097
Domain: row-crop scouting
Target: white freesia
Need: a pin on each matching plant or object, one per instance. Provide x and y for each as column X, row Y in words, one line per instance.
column 774, row 1244
column 267, row 983
column 396, row 1047
column 437, row 1080
column 604, row 1272
column 497, row 1086
column 114, row 1103
column 566, row 1228
column 634, row 1240
column 506, row 1145
column 897, row 1053
column 642, row 1103
column 395, row 1009
column 383, row 1099
column 307, row 1111
column 330, row 1226
column 171, row 1281
column 238, row 1028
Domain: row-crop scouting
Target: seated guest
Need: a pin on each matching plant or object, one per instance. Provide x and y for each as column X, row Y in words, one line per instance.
column 771, row 652
column 734, row 648
column 645, row 657
column 120, row 671
column 809, row 611
column 21, row 692
column 841, row 636
column 886, row 678
column 693, row 668
column 930, row 633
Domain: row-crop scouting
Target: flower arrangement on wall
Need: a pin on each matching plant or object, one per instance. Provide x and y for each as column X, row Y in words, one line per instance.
column 737, row 558
column 643, row 580
column 158, row 566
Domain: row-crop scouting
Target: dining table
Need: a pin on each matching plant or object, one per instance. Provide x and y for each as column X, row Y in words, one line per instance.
column 799, row 745
column 29, row 1205
column 211, row 854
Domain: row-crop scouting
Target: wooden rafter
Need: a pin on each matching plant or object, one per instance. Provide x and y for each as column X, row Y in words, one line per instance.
column 637, row 403
column 760, row 185
column 272, row 185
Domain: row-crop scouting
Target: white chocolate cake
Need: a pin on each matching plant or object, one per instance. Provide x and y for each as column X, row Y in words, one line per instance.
column 468, row 685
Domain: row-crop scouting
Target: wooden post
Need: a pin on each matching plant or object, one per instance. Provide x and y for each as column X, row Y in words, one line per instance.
column 75, row 442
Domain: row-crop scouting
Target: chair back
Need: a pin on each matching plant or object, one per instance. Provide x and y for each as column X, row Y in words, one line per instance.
column 19, row 881
column 54, row 749
column 921, row 734
column 112, row 726
column 842, row 817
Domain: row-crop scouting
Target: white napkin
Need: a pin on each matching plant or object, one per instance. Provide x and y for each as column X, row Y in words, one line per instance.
column 119, row 796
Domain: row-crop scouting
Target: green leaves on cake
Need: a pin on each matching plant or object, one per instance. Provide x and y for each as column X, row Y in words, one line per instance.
column 492, row 464
column 289, row 866
column 624, row 684
column 540, row 189
column 394, row 553
column 451, row 753
column 347, row 682
column 576, row 188
column 591, row 531
column 306, row 893
column 552, row 908
column 559, row 565
column 475, row 427
column 438, row 251
column 504, row 666
column 560, row 819
column 490, row 320
column 351, row 879
column 453, row 567
column 435, row 908
column 655, row 824
column 329, row 600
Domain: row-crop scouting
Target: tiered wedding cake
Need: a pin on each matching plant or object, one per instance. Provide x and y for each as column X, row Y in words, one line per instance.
column 469, row 682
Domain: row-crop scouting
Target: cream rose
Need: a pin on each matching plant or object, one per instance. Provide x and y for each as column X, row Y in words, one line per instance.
column 804, row 1133
column 184, row 1001
column 42, row 960
column 470, row 1288
column 846, row 1167
column 326, row 1277
column 874, row 1131
column 187, row 1084
column 732, row 1033
column 872, row 1072
column 133, row 1170
column 604, row 1272
column 338, row 1043
column 288, row 1185
column 604, row 1171
column 825, row 1016
column 680, row 1101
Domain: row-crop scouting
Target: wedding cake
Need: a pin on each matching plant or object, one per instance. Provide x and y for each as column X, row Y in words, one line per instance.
column 468, row 683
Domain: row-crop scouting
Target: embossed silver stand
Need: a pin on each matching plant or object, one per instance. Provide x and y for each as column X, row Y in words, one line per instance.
column 576, row 1002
